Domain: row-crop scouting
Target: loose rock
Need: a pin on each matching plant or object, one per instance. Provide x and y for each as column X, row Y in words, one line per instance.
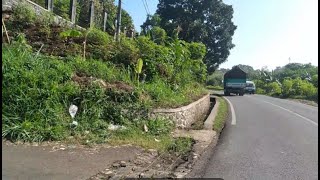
column 123, row 164
column 108, row 173
column 116, row 165
column 141, row 175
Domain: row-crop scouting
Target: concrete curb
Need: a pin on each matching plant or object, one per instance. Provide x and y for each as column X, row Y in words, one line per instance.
column 199, row 166
column 208, row 124
column 204, row 139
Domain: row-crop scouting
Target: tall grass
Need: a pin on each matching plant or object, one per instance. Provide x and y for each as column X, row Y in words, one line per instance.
column 38, row 90
column 221, row 117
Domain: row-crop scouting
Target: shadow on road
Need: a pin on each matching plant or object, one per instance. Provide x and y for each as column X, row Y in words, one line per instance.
column 221, row 94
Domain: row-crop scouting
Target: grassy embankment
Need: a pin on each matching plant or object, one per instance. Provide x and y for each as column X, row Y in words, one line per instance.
column 39, row 87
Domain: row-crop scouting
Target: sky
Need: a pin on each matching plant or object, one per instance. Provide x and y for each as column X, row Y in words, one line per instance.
column 269, row 32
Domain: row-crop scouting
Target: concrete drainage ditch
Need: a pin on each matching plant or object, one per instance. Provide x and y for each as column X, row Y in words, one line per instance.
column 151, row 164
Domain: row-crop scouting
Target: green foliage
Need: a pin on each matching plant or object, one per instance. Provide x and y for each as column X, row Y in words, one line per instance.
column 215, row 79
column 287, row 87
column 138, row 67
column 314, row 80
column 221, row 117
column 295, row 70
column 61, row 8
column 209, row 22
column 38, row 91
column 217, row 88
column 181, row 145
column 273, row 88
column 165, row 95
column 157, row 126
column 40, row 2
column 197, row 50
column 158, row 35
column 99, row 7
column 47, row 19
column 24, row 13
column 260, row 91
column 160, row 131
column 35, row 90
column 44, row 87
column 71, row 33
column 297, row 86
column 98, row 37
column 151, row 21
column 126, row 53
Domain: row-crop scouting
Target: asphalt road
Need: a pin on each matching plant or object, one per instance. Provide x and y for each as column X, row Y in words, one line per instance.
column 271, row 139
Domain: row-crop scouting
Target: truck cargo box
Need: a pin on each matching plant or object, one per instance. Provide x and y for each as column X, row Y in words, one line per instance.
column 235, row 81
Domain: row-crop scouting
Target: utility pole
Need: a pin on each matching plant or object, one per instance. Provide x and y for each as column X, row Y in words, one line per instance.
column 72, row 11
column 91, row 13
column 118, row 21
column 105, row 21
column 49, row 5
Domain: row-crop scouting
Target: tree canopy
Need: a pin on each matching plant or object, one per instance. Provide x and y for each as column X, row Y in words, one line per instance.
column 206, row 21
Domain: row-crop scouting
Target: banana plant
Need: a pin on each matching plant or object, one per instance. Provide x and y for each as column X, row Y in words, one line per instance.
column 138, row 69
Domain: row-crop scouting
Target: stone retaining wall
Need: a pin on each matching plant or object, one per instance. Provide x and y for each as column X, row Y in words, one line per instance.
column 8, row 6
column 185, row 116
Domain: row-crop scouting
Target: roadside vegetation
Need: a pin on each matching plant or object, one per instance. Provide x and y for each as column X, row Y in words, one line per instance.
column 222, row 115
column 217, row 88
column 46, row 68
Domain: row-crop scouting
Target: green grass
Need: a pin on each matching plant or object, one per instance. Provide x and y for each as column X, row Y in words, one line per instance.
column 38, row 90
column 162, row 143
column 217, row 88
column 221, row 116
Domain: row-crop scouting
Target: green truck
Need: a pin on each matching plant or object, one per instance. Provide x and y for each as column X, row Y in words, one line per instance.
column 234, row 81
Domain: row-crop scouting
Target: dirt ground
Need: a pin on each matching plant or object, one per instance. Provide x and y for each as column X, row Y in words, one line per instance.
column 59, row 161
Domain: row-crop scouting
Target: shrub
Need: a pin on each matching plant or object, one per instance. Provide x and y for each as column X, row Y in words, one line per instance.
column 61, row 8
column 159, row 35
column 260, row 91
column 126, row 53
column 297, row 84
column 197, row 50
column 98, row 37
column 287, row 88
column 157, row 126
column 314, row 80
column 23, row 13
column 36, row 94
column 273, row 89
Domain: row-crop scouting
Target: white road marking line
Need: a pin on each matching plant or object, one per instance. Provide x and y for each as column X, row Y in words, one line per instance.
column 309, row 120
column 233, row 114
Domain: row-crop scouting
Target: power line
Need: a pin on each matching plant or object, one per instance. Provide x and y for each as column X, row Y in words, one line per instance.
column 147, row 6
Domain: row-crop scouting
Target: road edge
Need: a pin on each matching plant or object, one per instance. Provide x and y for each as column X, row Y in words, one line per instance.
column 199, row 166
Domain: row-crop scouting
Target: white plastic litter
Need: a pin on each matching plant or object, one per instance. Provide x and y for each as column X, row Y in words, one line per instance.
column 145, row 127
column 74, row 123
column 115, row 127
column 73, row 110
